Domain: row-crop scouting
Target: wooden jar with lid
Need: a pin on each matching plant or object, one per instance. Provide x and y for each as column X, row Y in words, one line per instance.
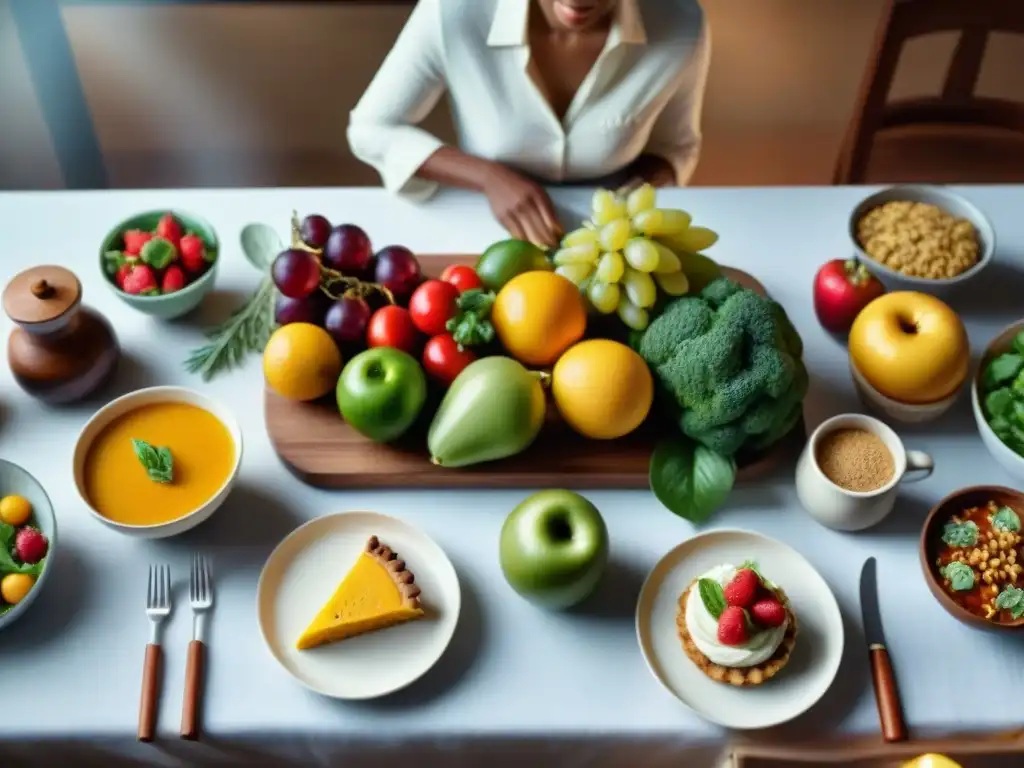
column 61, row 351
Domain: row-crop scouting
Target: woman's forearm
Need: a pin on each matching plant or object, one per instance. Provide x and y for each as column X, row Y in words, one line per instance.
column 455, row 168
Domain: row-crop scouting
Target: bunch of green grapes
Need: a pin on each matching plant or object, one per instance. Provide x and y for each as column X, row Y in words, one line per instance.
column 627, row 252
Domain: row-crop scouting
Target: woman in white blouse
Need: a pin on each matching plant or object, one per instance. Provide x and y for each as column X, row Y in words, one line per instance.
column 553, row 91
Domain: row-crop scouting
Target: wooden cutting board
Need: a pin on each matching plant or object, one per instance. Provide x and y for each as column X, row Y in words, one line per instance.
column 322, row 450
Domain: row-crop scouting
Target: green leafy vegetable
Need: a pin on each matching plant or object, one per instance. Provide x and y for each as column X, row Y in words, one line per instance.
column 712, row 595
column 1005, row 519
column 247, row 330
column 158, row 252
column 7, row 562
column 999, row 402
column 960, row 575
column 960, row 534
column 1011, row 599
column 1018, row 343
column 689, row 479
column 157, row 461
column 471, row 327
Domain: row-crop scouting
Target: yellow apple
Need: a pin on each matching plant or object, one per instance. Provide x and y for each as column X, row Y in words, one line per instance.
column 911, row 347
column 931, row 760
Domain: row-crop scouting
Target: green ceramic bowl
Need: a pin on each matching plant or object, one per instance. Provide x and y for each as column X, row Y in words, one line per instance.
column 170, row 305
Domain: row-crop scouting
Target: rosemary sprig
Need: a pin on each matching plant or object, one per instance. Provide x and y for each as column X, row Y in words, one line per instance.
column 247, row 330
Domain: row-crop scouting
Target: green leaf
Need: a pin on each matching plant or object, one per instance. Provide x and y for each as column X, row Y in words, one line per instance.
column 1011, row 599
column 690, row 480
column 712, row 595
column 158, row 253
column 1018, row 343
column 960, row 534
column 960, row 575
column 1017, row 387
column 1000, row 426
column 7, row 562
column 209, row 254
column 157, row 461
column 260, row 244
column 1002, row 370
column 470, row 326
column 998, row 402
column 1005, row 519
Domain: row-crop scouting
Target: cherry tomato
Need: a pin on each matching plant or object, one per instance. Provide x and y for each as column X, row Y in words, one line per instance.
column 462, row 277
column 432, row 305
column 392, row 326
column 443, row 360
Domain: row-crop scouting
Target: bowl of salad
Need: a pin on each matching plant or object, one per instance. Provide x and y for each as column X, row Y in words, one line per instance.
column 997, row 399
column 28, row 533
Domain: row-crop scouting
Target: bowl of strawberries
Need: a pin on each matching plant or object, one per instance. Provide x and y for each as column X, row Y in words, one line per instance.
column 161, row 262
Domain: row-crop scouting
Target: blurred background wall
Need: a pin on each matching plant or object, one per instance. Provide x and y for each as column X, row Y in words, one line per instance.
column 238, row 96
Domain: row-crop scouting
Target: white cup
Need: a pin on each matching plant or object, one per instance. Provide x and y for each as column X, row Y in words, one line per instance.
column 844, row 510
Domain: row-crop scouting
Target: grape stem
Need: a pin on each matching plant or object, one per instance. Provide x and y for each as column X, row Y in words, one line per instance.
column 330, row 279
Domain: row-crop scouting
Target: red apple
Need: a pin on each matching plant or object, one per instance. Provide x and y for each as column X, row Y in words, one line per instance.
column 841, row 290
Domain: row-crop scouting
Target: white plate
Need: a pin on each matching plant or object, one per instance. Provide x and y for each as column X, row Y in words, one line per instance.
column 304, row 570
column 819, row 643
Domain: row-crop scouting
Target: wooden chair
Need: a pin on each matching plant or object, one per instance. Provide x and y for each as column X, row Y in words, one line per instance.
column 957, row 108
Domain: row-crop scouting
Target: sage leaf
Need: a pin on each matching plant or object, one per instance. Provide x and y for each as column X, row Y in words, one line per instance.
column 260, row 244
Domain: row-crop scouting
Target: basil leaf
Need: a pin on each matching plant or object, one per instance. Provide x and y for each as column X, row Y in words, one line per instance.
column 712, row 595
column 960, row 534
column 998, row 402
column 158, row 462
column 960, row 575
column 158, row 252
column 690, row 480
column 1018, row 343
column 1002, row 370
column 1005, row 519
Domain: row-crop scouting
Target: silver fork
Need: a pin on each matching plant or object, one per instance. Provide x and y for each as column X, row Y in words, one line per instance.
column 158, row 608
column 200, row 597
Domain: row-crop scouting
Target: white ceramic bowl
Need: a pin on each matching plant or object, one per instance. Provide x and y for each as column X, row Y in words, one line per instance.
column 151, row 395
column 906, row 413
column 15, row 480
column 1008, row 459
column 952, row 203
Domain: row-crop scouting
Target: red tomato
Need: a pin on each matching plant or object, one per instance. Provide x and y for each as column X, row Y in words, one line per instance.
column 444, row 360
column 462, row 277
column 392, row 326
column 432, row 305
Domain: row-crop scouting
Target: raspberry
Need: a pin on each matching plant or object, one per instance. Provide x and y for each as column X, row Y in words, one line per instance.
column 30, row 545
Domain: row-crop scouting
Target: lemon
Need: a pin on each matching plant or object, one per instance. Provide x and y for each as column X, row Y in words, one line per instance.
column 15, row 510
column 931, row 760
column 301, row 362
column 602, row 388
column 537, row 316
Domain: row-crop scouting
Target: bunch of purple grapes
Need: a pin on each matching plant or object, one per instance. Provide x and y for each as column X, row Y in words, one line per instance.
column 345, row 249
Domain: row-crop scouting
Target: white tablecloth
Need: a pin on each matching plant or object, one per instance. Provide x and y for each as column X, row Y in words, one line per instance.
column 571, row 684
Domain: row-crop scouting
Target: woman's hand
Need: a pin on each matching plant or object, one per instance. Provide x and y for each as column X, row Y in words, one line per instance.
column 522, row 206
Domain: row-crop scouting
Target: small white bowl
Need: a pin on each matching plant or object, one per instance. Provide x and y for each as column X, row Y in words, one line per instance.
column 906, row 413
column 948, row 201
column 149, row 396
column 15, row 480
column 1008, row 459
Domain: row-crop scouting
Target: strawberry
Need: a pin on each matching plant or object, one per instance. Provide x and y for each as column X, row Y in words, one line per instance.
column 742, row 590
column 122, row 273
column 169, row 229
column 140, row 280
column 30, row 545
column 134, row 239
column 732, row 626
column 173, row 279
column 768, row 612
column 193, row 253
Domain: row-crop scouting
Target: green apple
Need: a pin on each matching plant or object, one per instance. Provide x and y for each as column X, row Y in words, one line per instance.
column 553, row 548
column 381, row 392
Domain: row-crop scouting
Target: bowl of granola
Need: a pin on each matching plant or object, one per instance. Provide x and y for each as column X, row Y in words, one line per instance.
column 921, row 238
column 972, row 554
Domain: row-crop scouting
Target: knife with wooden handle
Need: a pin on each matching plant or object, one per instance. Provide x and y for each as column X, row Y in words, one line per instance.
column 890, row 713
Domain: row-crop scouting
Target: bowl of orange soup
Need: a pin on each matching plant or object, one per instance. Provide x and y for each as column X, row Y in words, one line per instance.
column 158, row 461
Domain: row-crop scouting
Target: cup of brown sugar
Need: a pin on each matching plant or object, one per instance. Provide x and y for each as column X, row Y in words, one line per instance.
column 848, row 474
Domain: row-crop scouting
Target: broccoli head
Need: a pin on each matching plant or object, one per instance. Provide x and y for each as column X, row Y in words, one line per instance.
column 728, row 361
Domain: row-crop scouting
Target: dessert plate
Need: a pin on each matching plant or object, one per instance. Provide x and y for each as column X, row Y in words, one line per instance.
column 303, row 572
column 798, row 685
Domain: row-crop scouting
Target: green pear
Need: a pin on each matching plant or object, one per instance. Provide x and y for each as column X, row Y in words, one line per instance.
column 493, row 409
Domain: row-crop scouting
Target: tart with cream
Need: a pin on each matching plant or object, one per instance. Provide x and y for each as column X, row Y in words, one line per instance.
column 377, row 593
column 737, row 626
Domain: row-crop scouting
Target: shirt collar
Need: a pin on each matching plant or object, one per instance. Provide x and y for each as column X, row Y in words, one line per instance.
column 509, row 27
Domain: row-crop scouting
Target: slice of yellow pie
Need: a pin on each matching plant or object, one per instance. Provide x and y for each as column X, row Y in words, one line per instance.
column 377, row 593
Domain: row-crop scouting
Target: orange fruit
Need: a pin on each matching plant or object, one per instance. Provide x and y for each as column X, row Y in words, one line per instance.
column 537, row 316
column 603, row 389
column 15, row 586
column 301, row 362
column 15, row 510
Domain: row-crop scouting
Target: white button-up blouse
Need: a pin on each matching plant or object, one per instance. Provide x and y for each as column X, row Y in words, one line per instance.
column 643, row 94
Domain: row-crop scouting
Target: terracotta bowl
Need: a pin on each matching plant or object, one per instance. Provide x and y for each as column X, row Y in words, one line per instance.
column 931, row 536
